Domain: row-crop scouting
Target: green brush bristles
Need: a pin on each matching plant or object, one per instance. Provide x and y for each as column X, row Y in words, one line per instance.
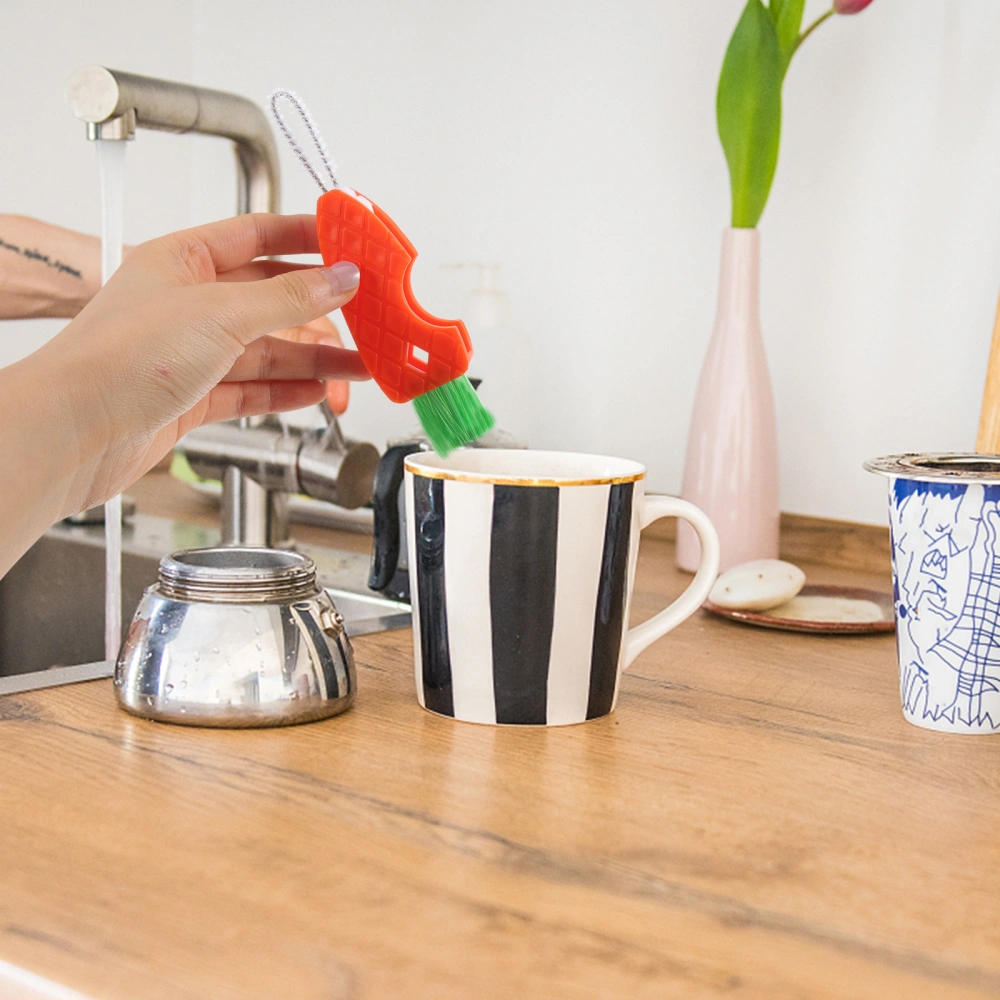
column 452, row 415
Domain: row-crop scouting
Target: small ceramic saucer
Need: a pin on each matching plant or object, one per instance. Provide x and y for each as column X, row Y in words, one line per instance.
column 823, row 610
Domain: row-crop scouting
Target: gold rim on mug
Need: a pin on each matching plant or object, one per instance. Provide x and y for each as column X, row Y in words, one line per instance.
column 417, row 465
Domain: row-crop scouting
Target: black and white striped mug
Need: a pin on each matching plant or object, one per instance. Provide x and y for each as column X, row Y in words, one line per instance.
column 521, row 572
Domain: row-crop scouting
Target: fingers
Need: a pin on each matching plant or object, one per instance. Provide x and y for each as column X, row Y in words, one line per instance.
column 258, row 269
column 319, row 331
column 237, row 241
column 230, row 400
column 330, row 337
column 338, row 395
column 273, row 358
column 253, row 308
column 322, row 331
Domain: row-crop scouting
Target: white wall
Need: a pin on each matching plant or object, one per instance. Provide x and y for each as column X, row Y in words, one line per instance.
column 575, row 143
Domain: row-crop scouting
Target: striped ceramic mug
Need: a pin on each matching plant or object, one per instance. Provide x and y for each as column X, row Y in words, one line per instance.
column 521, row 572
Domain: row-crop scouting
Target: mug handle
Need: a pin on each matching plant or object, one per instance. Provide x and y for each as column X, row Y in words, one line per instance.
column 638, row 638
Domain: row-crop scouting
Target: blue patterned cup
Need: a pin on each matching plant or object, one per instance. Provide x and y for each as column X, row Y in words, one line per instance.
column 521, row 573
column 944, row 518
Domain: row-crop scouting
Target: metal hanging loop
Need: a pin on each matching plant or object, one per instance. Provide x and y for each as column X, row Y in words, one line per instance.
column 314, row 134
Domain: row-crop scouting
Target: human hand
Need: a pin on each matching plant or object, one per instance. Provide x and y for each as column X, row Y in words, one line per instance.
column 48, row 270
column 322, row 331
column 177, row 338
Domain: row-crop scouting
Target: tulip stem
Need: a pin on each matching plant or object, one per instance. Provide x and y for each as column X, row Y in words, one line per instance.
column 812, row 27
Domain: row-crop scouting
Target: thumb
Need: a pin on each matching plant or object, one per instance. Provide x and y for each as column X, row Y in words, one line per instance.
column 290, row 299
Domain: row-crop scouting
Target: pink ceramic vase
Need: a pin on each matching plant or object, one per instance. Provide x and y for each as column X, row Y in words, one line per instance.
column 731, row 467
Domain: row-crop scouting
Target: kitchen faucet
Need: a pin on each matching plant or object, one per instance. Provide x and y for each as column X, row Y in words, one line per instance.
column 254, row 505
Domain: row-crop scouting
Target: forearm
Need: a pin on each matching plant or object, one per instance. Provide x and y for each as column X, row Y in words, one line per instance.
column 45, row 270
column 45, row 460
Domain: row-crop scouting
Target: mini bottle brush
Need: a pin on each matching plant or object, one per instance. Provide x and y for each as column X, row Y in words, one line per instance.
column 411, row 354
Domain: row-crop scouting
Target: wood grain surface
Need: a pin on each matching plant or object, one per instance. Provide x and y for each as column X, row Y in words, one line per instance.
column 806, row 539
column 754, row 820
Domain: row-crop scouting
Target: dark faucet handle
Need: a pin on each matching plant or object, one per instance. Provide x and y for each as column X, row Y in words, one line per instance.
column 385, row 510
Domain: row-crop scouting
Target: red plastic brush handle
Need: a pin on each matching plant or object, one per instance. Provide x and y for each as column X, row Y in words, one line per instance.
column 407, row 350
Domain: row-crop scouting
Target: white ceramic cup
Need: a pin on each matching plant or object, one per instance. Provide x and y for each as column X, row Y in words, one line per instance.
column 522, row 565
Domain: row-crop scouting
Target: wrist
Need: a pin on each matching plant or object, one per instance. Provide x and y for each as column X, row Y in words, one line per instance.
column 45, row 270
column 77, row 280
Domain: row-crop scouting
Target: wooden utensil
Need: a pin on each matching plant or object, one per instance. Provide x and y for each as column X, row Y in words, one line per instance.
column 988, row 439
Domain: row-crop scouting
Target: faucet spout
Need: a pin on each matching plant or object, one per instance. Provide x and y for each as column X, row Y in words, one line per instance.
column 100, row 97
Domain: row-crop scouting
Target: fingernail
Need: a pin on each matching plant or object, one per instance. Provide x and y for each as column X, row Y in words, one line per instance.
column 329, row 342
column 343, row 276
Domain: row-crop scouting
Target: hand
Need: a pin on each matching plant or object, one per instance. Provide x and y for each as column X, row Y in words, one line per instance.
column 48, row 270
column 177, row 338
column 322, row 331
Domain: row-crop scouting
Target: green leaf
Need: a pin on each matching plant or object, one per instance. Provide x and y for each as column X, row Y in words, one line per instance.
column 748, row 111
column 787, row 17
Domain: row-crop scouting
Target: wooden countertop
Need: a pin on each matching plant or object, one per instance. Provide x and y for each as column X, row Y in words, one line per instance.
column 756, row 820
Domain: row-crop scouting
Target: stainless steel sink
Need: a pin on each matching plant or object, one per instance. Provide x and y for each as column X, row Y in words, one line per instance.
column 52, row 600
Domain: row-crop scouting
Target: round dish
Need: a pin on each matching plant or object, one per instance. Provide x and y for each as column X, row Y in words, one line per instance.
column 816, row 625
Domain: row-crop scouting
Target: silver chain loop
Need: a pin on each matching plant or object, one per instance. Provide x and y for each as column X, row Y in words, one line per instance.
column 295, row 101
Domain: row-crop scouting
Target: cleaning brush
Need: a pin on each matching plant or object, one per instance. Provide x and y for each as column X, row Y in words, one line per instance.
column 452, row 415
column 411, row 354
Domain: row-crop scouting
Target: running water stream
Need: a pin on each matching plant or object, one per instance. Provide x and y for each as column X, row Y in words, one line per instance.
column 111, row 167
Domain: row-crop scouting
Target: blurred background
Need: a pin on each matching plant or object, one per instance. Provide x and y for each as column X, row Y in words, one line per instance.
column 574, row 145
